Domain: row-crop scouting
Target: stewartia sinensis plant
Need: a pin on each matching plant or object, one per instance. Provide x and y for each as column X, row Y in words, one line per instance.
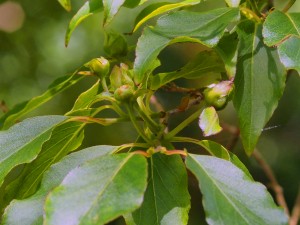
column 249, row 47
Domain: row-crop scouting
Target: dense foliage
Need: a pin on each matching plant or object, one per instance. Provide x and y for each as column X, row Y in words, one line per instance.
column 249, row 48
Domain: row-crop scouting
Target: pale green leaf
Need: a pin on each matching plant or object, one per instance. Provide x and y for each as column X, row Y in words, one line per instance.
column 22, row 109
column 22, row 142
column 30, row 211
column 227, row 49
column 233, row 3
column 98, row 191
column 183, row 26
column 89, row 8
column 230, row 196
column 209, row 122
column 160, row 8
column 289, row 53
column 166, row 200
column 204, row 63
column 66, row 4
column 279, row 26
column 111, row 8
column 259, row 83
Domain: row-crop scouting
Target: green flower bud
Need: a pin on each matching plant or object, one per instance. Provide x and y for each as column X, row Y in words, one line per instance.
column 217, row 95
column 115, row 45
column 120, row 76
column 124, row 93
column 99, row 66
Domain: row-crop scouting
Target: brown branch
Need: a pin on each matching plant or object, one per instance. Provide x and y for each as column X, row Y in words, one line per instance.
column 274, row 185
column 296, row 211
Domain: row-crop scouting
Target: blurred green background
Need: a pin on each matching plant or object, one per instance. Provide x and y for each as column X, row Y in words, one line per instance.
column 32, row 55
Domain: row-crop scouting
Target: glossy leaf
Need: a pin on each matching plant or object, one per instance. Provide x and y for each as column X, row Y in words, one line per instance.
column 66, row 4
column 259, row 82
column 289, row 53
column 204, row 63
column 230, row 196
column 233, row 3
column 89, row 8
column 227, row 49
column 279, row 26
column 98, row 191
column 209, row 122
column 111, row 8
column 205, row 27
column 30, row 211
column 22, row 109
column 160, row 8
column 166, row 200
column 22, row 142
column 65, row 138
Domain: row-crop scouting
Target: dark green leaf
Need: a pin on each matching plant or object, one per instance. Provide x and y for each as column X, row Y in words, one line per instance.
column 132, row 3
column 22, row 109
column 206, row 28
column 66, row 4
column 289, row 53
column 204, row 63
column 30, row 211
column 279, row 26
column 227, row 49
column 22, row 142
column 158, row 9
column 209, row 122
column 230, row 196
column 89, row 8
column 259, row 83
column 111, row 8
column 98, row 191
column 166, row 200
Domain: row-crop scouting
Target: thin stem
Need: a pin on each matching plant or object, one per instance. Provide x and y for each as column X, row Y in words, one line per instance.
column 130, row 145
column 288, row 5
column 183, row 124
column 144, row 114
column 135, row 124
column 253, row 14
column 104, row 85
column 296, row 211
column 274, row 183
column 254, row 7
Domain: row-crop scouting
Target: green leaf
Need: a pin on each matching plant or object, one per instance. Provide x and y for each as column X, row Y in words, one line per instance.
column 227, row 49
column 158, row 9
column 204, row 63
column 106, row 187
column 231, row 197
column 65, row 138
column 66, row 4
column 22, row 142
column 111, row 8
column 30, row 211
column 209, row 122
column 22, row 109
column 259, row 83
column 184, row 26
column 132, row 3
column 279, row 26
column 233, row 3
column 89, row 8
column 289, row 53
column 166, row 200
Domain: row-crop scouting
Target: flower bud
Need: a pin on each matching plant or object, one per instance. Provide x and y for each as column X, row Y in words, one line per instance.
column 99, row 66
column 217, row 95
column 124, row 93
column 120, row 76
column 115, row 45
